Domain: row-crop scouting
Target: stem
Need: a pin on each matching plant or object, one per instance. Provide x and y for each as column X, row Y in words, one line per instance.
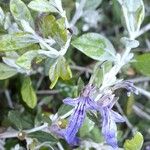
column 144, row 92
column 67, row 114
column 12, row 134
column 141, row 113
column 45, row 125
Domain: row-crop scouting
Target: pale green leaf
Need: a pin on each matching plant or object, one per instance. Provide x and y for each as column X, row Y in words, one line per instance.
column 16, row 41
column 42, row 6
column 95, row 46
column 142, row 63
column 20, row 11
column 135, row 143
column 26, row 59
column 6, row 71
column 61, row 69
column 28, row 93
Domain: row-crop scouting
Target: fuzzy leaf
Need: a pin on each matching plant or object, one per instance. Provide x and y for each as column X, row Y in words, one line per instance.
column 28, row 93
column 16, row 41
column 20, row 11
column 134, row 13
column 42, row 6
column 26, row 59
column 6, row 71
column 95, row 46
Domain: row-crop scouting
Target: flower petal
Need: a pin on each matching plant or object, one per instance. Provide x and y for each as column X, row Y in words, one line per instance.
column 75, row 122
column 70, row 101
column 90, row 104
column 117, row 117
column 109, row 128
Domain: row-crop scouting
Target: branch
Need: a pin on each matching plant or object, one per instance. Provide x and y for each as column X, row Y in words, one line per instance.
column 141, row 113
column 12, row 134
column 143, row 92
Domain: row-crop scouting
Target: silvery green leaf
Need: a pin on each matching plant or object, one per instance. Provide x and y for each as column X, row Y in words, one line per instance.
column 95, row 46
column 134, row 12
column 42, row 6
column 20, row 11
column 15, row 41
column 7, row 21
column 10, row 62
column 6, row 71
column 26, row 27
column 26, row 59
column 13, row 28
column 2, row 16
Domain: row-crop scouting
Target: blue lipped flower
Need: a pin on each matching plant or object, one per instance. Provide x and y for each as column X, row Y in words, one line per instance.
column 109, row 120
column 81, row 104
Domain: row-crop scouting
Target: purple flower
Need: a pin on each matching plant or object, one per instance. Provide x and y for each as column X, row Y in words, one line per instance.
column 109, row 119
column 81, row 104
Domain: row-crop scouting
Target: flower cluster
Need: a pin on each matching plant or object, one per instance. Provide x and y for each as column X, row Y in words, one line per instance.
column 103, row 106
